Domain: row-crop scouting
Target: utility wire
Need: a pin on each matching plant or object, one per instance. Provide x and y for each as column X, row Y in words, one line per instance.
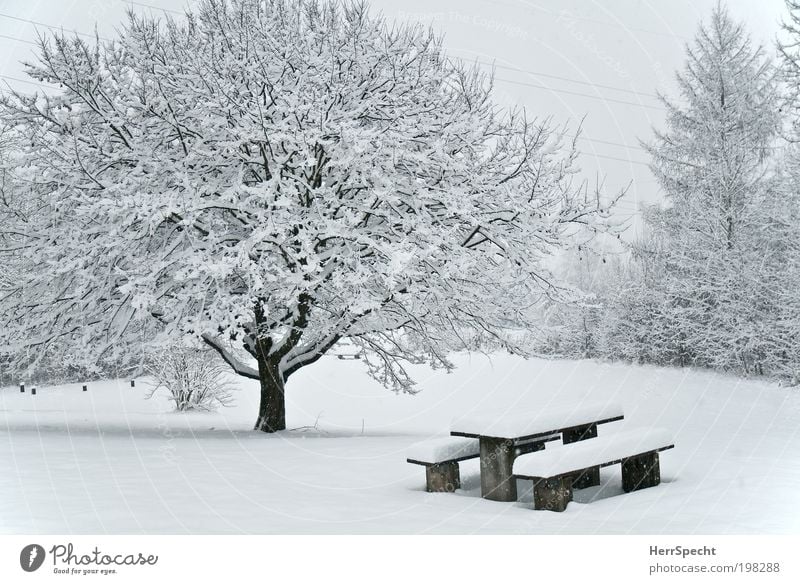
column 560, row 78
column 586, row 138
column 50, row 26
column 511, row 81
column 17, row 79
column 568, row 92
column 592, row 154
column 5, row 36
column 568, row 15
column 143, row 5
column 620, row 145
column 519, row 70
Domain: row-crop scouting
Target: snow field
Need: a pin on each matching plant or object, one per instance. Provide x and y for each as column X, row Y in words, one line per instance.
column 108, row 461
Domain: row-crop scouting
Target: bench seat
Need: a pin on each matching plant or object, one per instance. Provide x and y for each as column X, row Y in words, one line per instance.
column 440, row 457
column 445, row 449
column 553, row 471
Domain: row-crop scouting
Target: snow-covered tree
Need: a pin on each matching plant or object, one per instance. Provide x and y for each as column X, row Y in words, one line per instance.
column 12, row 212
column 571, row 328
column 710, row 247
column 789, row 53
column 192, row 379
column 273, row 178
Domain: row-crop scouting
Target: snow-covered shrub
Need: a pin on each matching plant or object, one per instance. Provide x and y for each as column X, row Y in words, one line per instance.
column 194, row 379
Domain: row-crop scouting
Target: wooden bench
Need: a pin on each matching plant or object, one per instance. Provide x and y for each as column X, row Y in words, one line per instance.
column 440, row 457
column 554, row 471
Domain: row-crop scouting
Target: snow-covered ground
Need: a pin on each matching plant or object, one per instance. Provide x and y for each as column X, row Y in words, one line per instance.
column 109, row 461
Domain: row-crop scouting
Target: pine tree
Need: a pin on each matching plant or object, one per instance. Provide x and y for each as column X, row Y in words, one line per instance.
column 716, row 165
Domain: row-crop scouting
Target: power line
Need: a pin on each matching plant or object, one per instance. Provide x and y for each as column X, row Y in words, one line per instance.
column 514, row 82
column 10, row 78
column 580, row 137
column 506, row 67
column 568, row 15
column 586, row 138
column 567, row 79
column 537, row 73
column 17, row 79
column 480, row 62
column 603, row 99
column 50, row 26
column 563, row 14
column 143, row 5
column 5, row 36
column 617, row 159
column 523, row 83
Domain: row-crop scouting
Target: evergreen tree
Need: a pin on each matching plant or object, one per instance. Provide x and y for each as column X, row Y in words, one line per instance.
column 712, row 260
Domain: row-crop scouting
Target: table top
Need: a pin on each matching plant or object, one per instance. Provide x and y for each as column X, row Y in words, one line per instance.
column 533, row 423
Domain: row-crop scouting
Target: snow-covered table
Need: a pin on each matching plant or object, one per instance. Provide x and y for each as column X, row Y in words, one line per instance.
column 503, row 435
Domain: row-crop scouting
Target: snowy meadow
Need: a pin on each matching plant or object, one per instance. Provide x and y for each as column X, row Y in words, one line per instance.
column 109, row 461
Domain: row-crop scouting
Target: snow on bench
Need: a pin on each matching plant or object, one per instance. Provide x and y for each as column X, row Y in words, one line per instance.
column 439, row 450
column 535, row 422
column 441, row 456
column 554, row 470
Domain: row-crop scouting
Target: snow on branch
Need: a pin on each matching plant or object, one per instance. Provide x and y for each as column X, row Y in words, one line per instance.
column 274, row 172
column 231, row 359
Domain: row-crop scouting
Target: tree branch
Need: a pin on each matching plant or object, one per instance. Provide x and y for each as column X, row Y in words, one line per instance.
column 239, row 367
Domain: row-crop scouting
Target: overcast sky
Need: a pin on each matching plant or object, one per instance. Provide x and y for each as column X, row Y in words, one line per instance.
column 570, row 59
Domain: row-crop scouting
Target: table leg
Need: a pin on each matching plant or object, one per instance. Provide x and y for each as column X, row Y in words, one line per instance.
column 590, row 477
column 497, row 463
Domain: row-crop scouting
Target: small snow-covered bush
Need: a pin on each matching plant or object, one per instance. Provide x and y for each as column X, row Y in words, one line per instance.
column 194, row 379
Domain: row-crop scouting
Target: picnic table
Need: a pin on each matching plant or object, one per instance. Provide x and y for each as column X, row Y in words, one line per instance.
column 504, row 435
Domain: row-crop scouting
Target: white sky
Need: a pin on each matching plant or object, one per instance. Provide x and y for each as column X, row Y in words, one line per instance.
column 631, row 45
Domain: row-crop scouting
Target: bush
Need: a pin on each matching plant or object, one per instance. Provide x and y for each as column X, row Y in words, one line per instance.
column 194, row 379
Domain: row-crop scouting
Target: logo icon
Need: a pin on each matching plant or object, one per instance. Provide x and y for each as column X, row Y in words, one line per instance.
column 31, row 557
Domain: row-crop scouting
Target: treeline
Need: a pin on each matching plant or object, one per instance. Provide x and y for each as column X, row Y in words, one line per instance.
column 714, row 278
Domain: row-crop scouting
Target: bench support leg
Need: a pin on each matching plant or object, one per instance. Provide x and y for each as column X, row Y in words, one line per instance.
column 640, row 472
column 443, row 477
column 552, row 494
column 497, row 462
column 591, row 476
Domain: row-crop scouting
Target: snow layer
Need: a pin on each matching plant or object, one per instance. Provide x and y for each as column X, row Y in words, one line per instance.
column 441, row 449
column 543, row 419
column 564, row 458
column 109, row 461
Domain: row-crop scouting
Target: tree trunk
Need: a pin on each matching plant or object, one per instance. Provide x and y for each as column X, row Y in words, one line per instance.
column 272, row 410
